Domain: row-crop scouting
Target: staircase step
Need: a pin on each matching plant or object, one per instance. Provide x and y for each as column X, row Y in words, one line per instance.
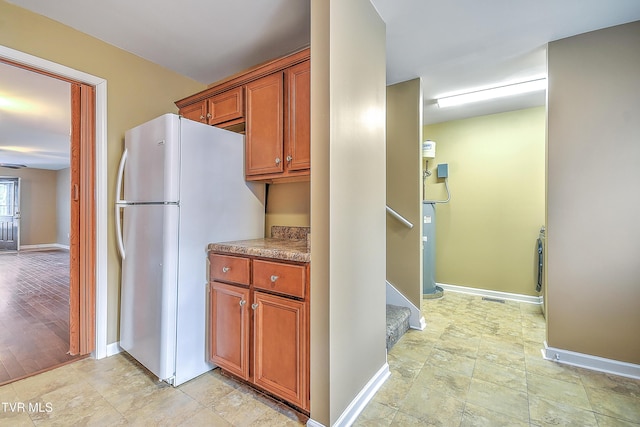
column 397, row 323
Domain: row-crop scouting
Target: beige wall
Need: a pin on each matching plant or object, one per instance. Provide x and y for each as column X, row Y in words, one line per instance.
column 593, row 240
column 347, row 203
column 137, row 91
column 404, row 189
column 288, row 204
column 486, row 236
column 37, row 205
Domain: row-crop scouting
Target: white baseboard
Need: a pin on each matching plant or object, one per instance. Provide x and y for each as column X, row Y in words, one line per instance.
column 113, row 348
column 394, row 297
column 313, row 423
column 594, row 363
column 43, row 247
column 492, row 294
column 358, row 404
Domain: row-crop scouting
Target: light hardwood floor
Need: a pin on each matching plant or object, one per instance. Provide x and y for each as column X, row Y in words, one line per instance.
column 34, row 312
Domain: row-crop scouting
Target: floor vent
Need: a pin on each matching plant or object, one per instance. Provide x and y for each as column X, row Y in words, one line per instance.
column 493, row 300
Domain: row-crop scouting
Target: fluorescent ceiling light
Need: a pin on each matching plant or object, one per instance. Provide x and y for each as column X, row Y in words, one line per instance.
column 496, row 92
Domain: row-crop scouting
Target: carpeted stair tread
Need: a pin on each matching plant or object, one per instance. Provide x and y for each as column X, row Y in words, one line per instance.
column 397, row 323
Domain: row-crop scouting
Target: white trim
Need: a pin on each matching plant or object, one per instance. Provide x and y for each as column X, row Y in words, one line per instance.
column 314, row 423
column 113, row 348
column 42, row 247
column 100, row 85
column 361, row 400
column 594, row 363
column 492, row 294
column 101, row 219
column 394, row 297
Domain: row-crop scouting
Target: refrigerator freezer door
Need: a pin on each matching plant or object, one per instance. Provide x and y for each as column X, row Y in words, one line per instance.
column 149, row 286
column 152, row 167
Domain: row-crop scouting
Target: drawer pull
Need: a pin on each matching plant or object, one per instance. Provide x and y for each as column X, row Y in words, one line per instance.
column 242, row 303
column 225, row 269
column 274, row 278
column 254, row 305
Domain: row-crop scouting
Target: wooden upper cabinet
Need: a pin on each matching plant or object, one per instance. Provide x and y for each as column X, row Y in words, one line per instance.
column 270, row 103
column 226, row 106
column 196, row 112
column 222, row 108
column 298, row 117
column 276, row 149
column 264, row 125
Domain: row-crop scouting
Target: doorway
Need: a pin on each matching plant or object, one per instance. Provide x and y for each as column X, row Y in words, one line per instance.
column 75, row 265
column 9, row 213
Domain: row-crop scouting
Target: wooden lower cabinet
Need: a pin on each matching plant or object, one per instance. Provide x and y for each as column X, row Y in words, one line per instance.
column 259, row 331
column 229, row 340
column 280, row 355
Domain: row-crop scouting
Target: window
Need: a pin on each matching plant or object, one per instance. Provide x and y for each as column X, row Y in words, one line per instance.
column 7, row 198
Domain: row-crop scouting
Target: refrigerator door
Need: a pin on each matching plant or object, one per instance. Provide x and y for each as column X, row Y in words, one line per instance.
column 149, row 286
column 216, row 204
column 152, row 167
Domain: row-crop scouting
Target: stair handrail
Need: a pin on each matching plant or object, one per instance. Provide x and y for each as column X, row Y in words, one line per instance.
column 399, row 217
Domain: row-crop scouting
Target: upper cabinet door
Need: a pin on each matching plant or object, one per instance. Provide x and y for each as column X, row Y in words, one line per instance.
column 264, row 125
column 298, row 117
column 226, row 106
column 196, row 112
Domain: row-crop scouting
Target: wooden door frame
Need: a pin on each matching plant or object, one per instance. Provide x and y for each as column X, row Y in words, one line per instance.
column 92, row 290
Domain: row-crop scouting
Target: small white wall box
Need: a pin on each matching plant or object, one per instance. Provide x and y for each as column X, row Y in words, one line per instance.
column 443, row 170
column 429, row 149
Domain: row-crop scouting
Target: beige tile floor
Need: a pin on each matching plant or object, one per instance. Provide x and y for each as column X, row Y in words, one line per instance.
column 477, row 363
column 118, row 391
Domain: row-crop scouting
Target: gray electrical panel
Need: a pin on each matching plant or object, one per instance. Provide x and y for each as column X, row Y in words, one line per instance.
column 443, row 170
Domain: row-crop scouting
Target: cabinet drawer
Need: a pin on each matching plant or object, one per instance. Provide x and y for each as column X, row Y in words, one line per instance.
column 226, row 268
column 282, row 278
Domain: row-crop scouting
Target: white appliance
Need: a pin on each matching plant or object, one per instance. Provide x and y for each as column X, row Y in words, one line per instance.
column 184, row 188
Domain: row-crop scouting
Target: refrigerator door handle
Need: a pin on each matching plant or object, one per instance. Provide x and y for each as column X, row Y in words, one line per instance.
column 123, row 160
column 119, row 231
column 119, row 200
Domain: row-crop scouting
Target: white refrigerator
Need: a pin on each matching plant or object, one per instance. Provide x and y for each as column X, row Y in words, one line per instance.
column 180, row 186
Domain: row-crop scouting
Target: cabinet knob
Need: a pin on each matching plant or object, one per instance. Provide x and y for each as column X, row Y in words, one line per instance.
column 254, row 305
column 201, row 117
column 242, row 303
column 208, row 115
column 289, row 158
column 278, row 160
column 225, row 269
column 274, row 278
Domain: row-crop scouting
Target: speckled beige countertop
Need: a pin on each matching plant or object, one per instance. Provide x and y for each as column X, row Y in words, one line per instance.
column 286, row 243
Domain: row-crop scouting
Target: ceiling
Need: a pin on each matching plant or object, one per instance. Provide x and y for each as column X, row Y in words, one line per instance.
column 35, row 119
column 453, row 47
